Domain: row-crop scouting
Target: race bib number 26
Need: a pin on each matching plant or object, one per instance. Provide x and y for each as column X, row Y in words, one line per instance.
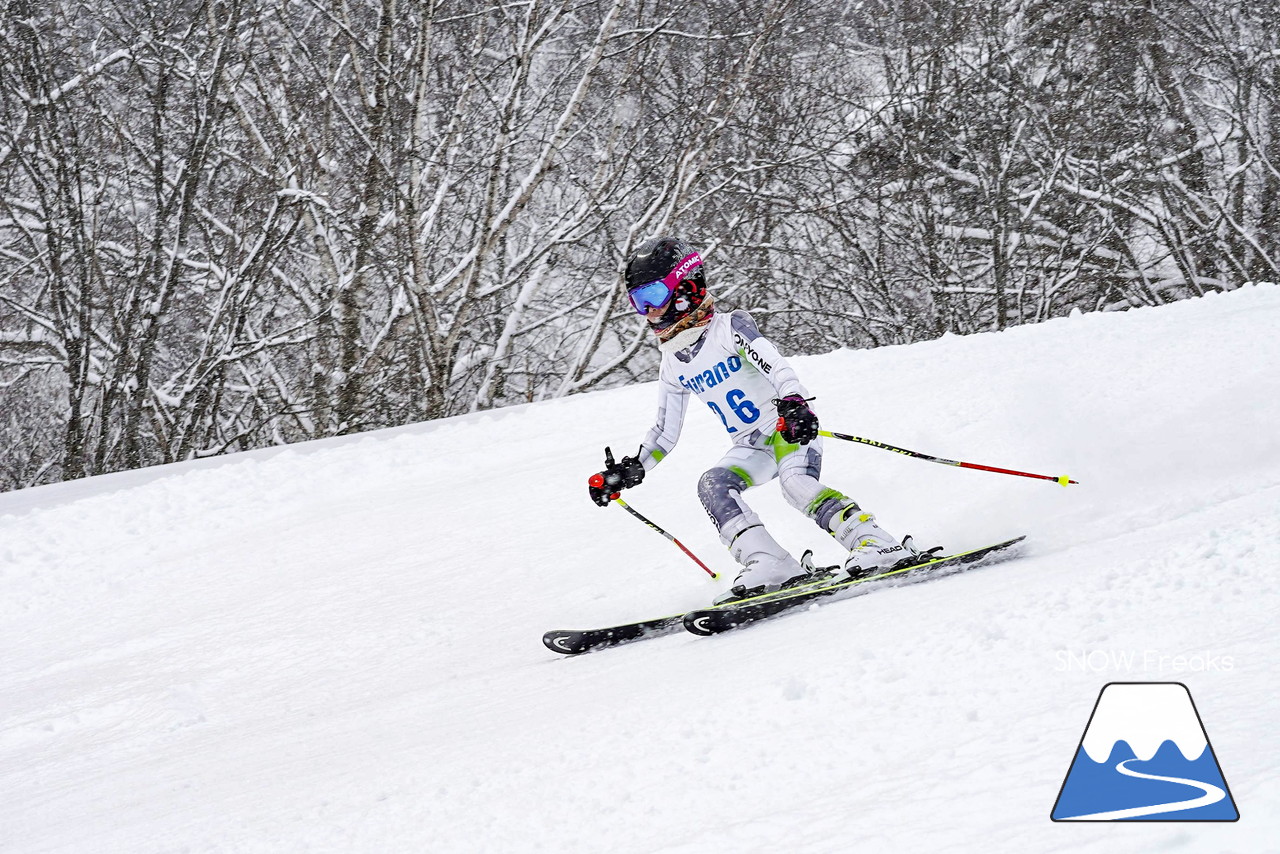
column 737, row 400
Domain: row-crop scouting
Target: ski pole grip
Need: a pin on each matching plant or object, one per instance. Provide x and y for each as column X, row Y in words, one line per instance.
column 597, row 481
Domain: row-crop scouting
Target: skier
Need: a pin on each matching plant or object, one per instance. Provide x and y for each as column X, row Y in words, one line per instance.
column 740, row 375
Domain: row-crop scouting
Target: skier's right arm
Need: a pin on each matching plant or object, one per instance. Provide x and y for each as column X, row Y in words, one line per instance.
column 662, row 437
column 673, row 398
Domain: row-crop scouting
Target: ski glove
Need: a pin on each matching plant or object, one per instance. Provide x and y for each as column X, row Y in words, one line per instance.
column 604, row 486
column 796, row 421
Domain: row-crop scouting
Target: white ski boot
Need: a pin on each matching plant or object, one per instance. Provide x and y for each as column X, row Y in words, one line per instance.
column 871, row 549
column 766, row 566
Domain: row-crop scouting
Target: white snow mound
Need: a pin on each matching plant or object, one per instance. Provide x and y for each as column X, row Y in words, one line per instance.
column 336, row 646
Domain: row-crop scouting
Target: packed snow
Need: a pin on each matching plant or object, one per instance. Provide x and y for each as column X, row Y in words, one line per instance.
column 336, row 646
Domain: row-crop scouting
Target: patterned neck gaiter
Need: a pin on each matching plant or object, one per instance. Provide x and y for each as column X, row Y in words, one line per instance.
column 700, row 316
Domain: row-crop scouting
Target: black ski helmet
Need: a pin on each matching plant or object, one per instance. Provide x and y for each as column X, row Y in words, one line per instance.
column 655, row 259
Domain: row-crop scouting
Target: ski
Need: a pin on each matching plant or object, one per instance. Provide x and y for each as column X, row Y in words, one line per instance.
column 718, row 618
column 732, row 615
column 576, row 641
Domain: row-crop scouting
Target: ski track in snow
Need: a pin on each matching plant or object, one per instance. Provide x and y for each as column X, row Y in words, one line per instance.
column 1209, row 794
column 335, row 646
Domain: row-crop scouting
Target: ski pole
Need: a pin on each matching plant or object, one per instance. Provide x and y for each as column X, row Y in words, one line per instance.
column 1063, row 479
column 625, row 506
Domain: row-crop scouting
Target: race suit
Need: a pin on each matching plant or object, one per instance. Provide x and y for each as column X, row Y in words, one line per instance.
column 738, row 374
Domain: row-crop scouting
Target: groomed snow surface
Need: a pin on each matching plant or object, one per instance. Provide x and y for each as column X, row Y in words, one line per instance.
column 336, row 646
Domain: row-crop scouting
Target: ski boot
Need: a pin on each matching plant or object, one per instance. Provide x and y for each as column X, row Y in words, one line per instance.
column 872, row 551
column 766, row 566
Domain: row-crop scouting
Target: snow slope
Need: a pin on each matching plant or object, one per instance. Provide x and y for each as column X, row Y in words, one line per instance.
column 336, row 646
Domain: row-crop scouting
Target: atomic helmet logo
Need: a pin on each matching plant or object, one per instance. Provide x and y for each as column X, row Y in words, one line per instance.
column 693, row 259
column 1145, row 756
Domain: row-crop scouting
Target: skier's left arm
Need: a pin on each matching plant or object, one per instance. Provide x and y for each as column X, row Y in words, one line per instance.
column 796, row 421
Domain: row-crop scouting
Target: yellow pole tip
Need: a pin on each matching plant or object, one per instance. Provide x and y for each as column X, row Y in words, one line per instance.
column 1064, row 480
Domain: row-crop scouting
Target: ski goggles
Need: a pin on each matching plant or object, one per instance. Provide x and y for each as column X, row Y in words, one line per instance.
column 656, row 294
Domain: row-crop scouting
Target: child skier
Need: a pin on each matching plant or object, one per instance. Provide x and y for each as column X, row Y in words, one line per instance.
column 745, row 381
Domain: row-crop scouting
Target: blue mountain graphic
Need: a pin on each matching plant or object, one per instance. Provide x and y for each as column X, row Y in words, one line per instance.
column 1098, row 787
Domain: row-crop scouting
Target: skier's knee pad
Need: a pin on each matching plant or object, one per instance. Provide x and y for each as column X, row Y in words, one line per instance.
column 718, row 490
column 798, row 476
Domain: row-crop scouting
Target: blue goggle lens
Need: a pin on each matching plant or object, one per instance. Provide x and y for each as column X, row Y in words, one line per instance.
column 653, row 295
